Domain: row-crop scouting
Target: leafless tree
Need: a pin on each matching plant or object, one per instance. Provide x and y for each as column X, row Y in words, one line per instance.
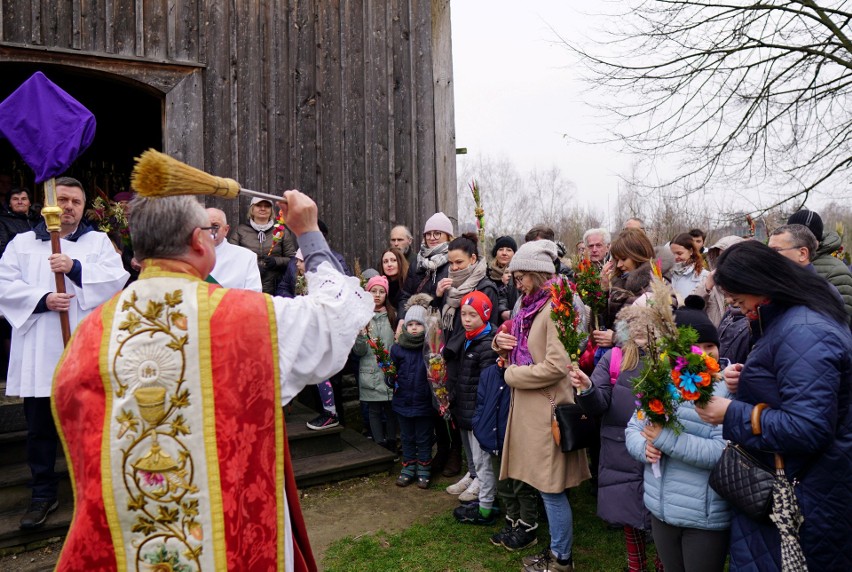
column 755, row 94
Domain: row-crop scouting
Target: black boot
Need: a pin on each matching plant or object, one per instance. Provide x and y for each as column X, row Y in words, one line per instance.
column 454, row 464
column 37, row 513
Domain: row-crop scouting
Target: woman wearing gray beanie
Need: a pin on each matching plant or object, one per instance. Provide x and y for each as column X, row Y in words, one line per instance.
column 537, row 372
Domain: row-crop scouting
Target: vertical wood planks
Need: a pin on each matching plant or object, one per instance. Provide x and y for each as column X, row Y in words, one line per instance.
column 444, row 125
column 347, row 100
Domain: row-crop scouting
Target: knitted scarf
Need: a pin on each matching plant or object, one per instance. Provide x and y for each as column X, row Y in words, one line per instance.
column 531, row 305
column 430, row 259
column 464, row 282
column 495, row 272
column 410, row 342
column 261, row 229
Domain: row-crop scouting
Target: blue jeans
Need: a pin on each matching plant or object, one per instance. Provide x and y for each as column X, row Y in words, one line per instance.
column 416, row 434
column 561, row 523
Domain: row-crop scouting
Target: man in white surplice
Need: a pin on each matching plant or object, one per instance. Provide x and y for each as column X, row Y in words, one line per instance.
column 93, row 274
column 236, row 267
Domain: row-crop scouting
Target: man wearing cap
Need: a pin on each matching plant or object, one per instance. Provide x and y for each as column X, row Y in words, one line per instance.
column 170, row 400
column 826, row 265
column 236, row 267
column 714, row 298
column 93, row 273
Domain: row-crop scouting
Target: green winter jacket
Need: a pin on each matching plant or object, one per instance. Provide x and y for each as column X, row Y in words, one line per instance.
column 833, row 269
column 371, row 379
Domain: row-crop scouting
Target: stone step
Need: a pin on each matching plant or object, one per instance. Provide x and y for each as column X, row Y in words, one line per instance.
column 11, row 412
column 13, row 447
column 14, row 490
column 56, row 526
column 360, row 456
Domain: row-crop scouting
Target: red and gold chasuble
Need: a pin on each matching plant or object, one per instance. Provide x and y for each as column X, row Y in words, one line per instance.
column 168, row 403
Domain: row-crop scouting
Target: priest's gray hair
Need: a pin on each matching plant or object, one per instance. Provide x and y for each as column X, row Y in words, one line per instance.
column 160, row 227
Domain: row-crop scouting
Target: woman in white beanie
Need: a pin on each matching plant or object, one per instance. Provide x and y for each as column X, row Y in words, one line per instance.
column 256, row 235
column 432, row 263
column 537, row 372
column 423, row 277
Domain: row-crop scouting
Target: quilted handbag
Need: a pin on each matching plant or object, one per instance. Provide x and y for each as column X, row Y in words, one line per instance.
column 742, row 480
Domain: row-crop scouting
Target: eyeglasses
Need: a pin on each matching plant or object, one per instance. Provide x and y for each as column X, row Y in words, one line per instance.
column 518, row 276
column 214, row 230
column 433, row 234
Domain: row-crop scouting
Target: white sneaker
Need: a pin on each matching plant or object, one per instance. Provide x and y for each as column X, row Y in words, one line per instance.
column 460, row 486
column 472, row 492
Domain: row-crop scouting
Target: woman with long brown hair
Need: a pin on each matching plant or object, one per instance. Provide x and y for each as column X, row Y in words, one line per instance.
column 394, row 266
column 629, row 274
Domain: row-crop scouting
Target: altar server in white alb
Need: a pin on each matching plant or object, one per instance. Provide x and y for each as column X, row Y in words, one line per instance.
column 236, row 267
column 93, row 274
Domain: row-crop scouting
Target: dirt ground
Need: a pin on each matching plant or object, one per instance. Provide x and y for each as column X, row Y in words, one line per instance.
column 364, row 506
column 349, row 508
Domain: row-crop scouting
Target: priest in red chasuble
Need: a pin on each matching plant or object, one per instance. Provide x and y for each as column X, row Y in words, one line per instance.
column 168, row 400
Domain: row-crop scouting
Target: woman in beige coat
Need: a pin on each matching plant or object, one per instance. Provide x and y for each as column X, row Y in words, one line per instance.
column 537, row 374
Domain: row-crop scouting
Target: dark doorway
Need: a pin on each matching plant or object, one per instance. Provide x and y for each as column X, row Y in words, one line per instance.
column 129, row 120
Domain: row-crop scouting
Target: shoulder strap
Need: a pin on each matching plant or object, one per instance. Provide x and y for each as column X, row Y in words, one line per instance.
column 614, row 364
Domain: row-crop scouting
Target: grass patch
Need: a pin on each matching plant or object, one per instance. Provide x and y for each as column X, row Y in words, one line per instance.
column 440, row 544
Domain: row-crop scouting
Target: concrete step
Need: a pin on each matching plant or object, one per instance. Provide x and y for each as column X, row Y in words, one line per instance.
column 360, row 456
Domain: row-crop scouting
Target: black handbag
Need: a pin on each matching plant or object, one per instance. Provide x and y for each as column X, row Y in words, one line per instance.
column 572, row 428
column 742, row 480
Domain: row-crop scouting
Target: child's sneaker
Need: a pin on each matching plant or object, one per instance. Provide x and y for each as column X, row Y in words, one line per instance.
column 471, row 493
column 423, row 482
column 460, row 486
column 323, row 421
column 473, row 514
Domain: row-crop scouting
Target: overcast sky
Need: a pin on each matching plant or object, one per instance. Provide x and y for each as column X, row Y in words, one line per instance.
column 518, row 92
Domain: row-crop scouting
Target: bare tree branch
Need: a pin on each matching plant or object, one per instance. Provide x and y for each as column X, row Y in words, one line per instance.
column 747, row 94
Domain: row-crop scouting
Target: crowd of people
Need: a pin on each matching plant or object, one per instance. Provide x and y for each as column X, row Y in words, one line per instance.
column 775, row 315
